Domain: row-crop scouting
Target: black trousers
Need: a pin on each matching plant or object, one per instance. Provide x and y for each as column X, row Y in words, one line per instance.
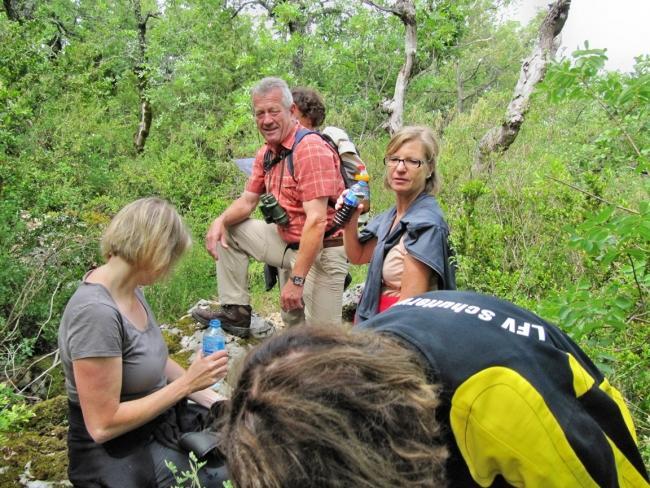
column 136, row 458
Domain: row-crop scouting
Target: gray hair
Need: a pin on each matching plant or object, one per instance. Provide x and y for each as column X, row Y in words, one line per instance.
column 268, row 84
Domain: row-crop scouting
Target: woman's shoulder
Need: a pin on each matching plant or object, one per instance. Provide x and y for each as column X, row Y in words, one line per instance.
column 90, row 298
column 425, row 212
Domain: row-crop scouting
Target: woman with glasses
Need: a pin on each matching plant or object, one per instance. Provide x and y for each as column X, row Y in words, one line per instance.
column 407, row 246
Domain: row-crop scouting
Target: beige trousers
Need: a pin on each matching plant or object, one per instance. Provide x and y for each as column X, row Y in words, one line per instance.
column 256, row 239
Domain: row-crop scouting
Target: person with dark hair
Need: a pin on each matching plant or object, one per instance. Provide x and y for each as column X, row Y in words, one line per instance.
column 447, row 388
column 298, row 236
column 310, row 107
column 407, row 246
column 127, row 397
column 310, row 112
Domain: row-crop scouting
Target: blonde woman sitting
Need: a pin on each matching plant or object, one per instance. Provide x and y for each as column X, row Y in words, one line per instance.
column 126, row 395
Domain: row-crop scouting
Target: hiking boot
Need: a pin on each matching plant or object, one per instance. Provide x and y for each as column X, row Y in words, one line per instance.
column 235, row 319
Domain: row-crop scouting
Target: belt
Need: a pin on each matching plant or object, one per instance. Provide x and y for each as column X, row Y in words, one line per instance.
column 336, row 242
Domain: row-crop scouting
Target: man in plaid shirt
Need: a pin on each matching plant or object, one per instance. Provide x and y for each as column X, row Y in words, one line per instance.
column 313, row 263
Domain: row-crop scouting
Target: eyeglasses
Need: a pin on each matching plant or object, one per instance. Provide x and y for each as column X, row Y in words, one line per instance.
column 393, row 162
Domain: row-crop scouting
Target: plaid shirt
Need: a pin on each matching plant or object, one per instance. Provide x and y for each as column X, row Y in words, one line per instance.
column 316, row 175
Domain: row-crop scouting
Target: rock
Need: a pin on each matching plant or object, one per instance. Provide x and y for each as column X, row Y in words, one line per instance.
column 351, row 298
column 47, row 413
column 185, row 337
column 27, row 480
column 27, row 457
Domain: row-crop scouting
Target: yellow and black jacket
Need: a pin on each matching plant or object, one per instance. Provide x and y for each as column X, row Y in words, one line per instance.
column 525, row 406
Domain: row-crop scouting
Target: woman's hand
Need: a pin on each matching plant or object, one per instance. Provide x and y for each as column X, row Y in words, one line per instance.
column 339, row 200
column 205, row 371
column 354, row 218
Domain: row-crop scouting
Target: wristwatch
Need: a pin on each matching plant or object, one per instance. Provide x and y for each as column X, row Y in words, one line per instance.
column 298, row 280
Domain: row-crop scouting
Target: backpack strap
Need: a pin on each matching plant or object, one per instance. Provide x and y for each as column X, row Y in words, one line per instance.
column 300, row 134
column 270, row 160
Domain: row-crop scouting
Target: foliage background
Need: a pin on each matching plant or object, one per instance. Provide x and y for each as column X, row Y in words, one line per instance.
column 562, row 224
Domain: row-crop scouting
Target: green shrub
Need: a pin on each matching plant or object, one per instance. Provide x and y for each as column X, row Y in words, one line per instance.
column 14, row 412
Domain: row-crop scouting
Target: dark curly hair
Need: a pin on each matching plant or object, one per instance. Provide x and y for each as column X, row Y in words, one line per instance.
column 310, row 104
column 324, row 407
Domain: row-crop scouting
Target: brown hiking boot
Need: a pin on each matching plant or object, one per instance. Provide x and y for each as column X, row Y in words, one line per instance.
column 235, row 319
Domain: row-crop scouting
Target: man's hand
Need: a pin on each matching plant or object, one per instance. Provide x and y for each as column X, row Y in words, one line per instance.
column 216, row 233
column 291, row 297
column 238, row 211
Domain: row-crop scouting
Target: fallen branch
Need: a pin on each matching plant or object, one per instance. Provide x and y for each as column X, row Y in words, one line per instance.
column 55, row 364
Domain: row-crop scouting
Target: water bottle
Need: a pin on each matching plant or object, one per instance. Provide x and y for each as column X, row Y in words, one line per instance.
column 343, row 214
column 361, row 189
column 214, row 340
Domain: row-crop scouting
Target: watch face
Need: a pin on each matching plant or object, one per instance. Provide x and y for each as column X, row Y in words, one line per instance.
column 298, row 280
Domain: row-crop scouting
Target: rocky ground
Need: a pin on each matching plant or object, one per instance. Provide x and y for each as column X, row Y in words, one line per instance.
column 37, row 456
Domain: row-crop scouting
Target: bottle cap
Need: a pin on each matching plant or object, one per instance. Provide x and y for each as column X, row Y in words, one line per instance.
column 215, row 323
column 362, row 177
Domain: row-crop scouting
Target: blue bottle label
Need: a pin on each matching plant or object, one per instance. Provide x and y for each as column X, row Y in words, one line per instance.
column 212, row 344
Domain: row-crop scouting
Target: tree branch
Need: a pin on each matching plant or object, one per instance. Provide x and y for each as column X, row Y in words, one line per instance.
column 636, row 280
column 54, row 365
column 242, row 7
column 382, row 8
column 478, row 66
column 140, row 70
column 150, row 15
column 592, row 195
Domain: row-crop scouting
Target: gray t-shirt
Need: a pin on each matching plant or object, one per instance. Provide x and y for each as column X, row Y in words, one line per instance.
column 92, row 326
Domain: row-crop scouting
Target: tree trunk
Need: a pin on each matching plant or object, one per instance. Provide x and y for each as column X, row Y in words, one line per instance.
column 405, row 10
column 297, row 60
column 498, row 139
column 18, row 10
column 460, row 92
column 396, row 106
column 140, row 70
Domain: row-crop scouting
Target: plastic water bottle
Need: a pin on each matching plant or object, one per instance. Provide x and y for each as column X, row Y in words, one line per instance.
column 214, row 340
column 343, row 214
column 361, row 189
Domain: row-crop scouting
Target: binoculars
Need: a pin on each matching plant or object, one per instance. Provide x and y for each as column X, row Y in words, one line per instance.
column 272, row 211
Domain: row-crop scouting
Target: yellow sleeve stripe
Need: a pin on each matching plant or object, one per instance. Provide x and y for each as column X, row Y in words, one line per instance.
column 502, row 425
column 615, row 395
column 582, row 382
column 628, row 476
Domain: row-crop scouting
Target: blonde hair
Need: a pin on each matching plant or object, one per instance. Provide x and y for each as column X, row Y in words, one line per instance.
column 148, row 234
column 427, row 138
